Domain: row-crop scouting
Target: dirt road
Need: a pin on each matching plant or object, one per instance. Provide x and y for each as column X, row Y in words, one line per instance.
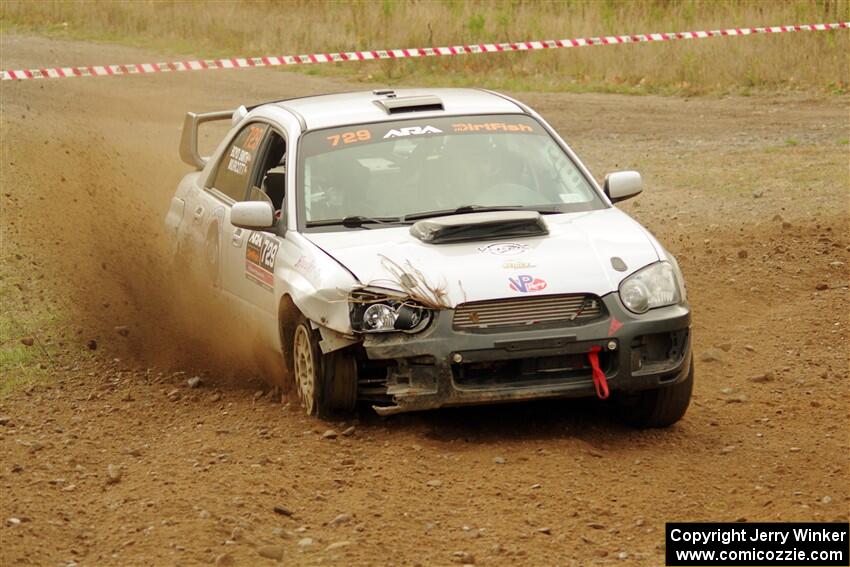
column 112, row 459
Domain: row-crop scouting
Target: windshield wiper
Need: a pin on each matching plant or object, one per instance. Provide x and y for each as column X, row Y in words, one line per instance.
column 355, row 221
column 478, row 209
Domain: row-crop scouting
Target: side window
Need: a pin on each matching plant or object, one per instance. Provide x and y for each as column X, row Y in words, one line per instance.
column 271, row 181
column 236, row 168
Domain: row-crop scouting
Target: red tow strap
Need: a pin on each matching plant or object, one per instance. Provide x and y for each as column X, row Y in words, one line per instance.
column 599, row 381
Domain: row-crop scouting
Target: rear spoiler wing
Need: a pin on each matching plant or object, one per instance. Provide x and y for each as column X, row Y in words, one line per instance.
column 189, row 138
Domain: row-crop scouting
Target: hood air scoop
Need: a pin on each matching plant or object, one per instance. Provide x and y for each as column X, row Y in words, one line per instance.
column 479, row 226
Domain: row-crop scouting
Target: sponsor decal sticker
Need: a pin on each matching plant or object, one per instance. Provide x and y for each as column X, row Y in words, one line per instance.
column 526, row 284
column 516, row 265
column 492, row 127
column 412, row 131
column 504, row 249
column 259, row 259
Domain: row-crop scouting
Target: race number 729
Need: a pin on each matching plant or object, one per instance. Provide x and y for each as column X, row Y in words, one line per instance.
column 350, row 137
column 268, row 254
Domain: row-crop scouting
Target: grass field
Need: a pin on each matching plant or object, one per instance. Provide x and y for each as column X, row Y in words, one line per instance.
column 815, row 62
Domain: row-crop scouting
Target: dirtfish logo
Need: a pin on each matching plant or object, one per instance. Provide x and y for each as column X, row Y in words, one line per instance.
column 412, row 131
column 526, row 284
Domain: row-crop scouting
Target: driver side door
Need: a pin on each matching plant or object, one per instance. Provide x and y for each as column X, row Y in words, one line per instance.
column 232, row 183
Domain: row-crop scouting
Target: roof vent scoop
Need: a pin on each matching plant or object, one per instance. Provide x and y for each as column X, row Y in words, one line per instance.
column 399, row 105
column 479, row 226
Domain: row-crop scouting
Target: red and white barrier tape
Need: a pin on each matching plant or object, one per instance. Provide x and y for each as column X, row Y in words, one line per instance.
column 274, row 60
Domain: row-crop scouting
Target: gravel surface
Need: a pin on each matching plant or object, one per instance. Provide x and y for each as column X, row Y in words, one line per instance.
column 154, row 443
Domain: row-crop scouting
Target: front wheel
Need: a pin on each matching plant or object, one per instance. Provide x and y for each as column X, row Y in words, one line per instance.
column 325, row 383
column 661, row 407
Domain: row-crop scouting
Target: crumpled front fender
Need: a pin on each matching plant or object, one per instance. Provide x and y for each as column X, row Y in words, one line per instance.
column 316, row 283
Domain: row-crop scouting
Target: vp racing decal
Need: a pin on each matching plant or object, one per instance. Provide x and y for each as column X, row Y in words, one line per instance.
column 527, row 284
column 260, row 255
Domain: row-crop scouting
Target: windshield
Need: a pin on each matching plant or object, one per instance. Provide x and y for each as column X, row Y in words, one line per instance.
column 381, row 173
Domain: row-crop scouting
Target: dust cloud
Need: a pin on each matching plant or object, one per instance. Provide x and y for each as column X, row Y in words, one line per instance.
column 95, row 226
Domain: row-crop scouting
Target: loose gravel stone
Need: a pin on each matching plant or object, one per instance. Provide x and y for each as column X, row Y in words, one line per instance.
column 463, row 557
column 337, row 545
column 761, row 378
column 271, row 552
column 283, row 511
column 114, row 474
column 711, row 355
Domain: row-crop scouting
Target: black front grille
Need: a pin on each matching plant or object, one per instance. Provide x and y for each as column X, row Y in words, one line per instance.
column 516, row 313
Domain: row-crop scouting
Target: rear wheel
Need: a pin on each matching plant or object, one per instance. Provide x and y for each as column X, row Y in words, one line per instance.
column 324, row 383
column 661, row 407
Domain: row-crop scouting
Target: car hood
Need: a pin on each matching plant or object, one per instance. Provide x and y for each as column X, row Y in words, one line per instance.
column 575, row 257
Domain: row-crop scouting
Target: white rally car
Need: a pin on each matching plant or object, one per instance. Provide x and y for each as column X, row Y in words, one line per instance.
column 426, row 248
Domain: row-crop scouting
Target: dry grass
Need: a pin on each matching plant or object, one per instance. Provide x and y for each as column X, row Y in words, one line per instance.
column 808, row 61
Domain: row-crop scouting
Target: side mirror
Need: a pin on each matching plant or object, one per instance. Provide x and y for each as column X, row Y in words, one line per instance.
column 255, row 215
column 622, row 185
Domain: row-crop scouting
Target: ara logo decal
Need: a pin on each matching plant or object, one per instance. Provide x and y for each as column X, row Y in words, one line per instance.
column 526, row 284
column 412, row 131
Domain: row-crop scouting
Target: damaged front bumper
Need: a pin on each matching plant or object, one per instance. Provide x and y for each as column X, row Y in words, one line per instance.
column 443, row 366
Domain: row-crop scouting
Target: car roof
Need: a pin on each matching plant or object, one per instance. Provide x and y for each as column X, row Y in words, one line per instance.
column 324, row 111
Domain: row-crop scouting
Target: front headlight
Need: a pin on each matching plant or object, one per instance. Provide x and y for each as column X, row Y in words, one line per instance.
column 656, row 285
column 377, row 313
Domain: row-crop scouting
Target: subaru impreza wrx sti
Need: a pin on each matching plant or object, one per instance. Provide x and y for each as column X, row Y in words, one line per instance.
column 433, row 247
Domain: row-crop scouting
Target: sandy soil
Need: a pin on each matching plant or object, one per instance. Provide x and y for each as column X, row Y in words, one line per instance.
column 114, row 460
